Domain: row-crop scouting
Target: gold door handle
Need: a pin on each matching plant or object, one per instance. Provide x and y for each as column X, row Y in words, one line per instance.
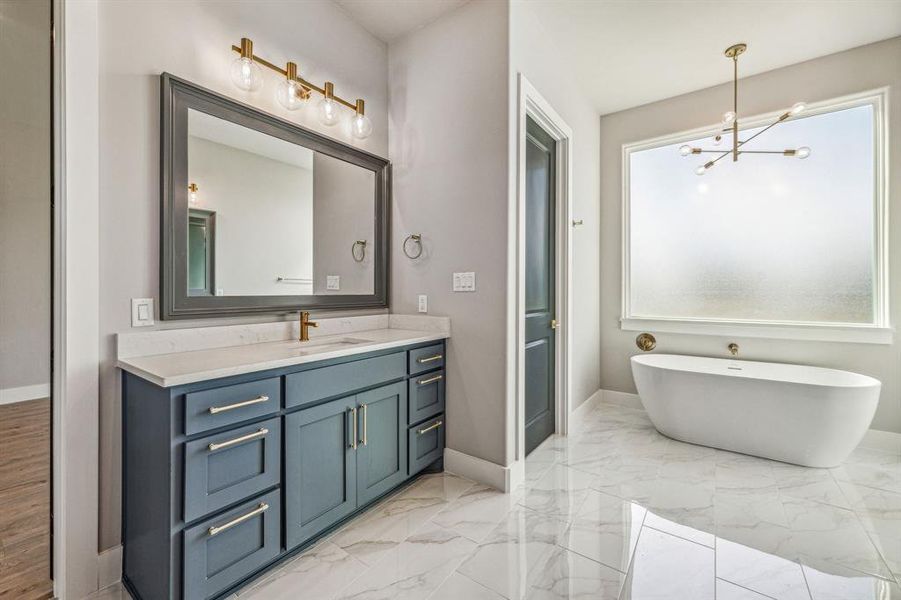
column 434, row 425
column 365, row 426
column 555, row 324
column 217, row 529
column 218, row 409
column 422, row 361
column 430, row 380
column 353, row 417
column 244, row 438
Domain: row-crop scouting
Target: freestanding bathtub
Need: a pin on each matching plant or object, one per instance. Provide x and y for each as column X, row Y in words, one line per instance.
column 803, row 415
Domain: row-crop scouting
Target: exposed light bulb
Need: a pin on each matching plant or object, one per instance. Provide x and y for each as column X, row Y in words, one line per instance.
column 717, row 140
column 192, row 193
column 802, row 152
column 291, row 94
column 728, row 118
column 701, row 170
column 246, row 74
column 328, row 111
column 361, row 126
column 797, row 108
column 685, row 150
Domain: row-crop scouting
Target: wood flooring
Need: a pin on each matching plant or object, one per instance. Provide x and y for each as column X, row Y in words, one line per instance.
column 25, row 500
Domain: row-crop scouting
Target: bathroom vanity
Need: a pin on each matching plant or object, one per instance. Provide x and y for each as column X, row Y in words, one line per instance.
column 237, row 457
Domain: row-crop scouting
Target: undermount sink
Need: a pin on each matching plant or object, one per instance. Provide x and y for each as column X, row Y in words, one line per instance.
column 320, row 345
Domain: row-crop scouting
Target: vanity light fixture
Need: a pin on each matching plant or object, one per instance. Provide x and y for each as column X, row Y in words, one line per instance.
column 192, row 193
column 730, row 125
column 294, row 90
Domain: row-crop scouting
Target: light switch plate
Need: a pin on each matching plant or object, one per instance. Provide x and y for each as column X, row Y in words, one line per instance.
column 423, row 303
column 333, row 282
column 465, row 282
column 141, row 312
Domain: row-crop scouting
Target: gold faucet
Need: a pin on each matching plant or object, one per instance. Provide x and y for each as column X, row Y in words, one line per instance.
column 305, row 324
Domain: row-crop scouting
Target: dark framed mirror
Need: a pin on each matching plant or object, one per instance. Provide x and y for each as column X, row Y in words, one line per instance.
column 259, row 215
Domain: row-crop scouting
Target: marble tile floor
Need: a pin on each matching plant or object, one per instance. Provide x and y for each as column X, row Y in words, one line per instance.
column 617, row 511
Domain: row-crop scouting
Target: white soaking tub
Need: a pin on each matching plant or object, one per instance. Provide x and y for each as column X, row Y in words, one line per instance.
column 803, row 415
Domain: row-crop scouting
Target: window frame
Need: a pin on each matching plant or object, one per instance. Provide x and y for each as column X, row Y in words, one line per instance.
column 879, row 332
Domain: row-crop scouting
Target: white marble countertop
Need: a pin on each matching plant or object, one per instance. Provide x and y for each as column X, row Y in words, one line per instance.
column 178, row 368
column 191, row 362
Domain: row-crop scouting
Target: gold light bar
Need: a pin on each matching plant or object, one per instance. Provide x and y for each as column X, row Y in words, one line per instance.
column 327, row 90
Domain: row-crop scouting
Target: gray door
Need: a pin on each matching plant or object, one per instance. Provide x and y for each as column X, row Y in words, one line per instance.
column 320, row 468
column 540, row 285
column 382, row 446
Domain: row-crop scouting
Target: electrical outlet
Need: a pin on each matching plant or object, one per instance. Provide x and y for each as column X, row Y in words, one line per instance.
column 141, row 312
column 423, row 303
column 333, row 282
column 465, row 282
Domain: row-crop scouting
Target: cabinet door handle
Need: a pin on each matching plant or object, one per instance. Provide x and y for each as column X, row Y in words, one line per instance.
column 429, row 359
column 434, row 425
column 353, row 418
column 217, row 529
column 218, row 409
column 244, row 438
column 430, row 380
column 365, row 426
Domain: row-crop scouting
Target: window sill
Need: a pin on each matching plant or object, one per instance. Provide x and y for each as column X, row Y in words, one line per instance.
column 812, row 332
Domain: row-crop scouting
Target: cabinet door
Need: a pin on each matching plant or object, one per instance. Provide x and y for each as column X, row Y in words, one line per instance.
column 320, row 468
column 382, row 445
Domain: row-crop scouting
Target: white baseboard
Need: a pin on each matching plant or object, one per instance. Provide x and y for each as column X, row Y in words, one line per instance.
column 24, row 393
column 887, row 441
column 503, row 478
column 590, row 402
column 621, row 399
column 109, row 567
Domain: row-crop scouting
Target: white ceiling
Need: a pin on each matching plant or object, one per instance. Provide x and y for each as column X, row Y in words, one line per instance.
column 628, row 53
column 389, row 19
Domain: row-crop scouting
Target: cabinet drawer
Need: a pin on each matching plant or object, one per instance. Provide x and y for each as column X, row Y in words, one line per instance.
column 225, row 468
column 223, row 550
column 224, row 406
column 426, row 443
column 426, row 359
column 327, row 382
column 426, row 396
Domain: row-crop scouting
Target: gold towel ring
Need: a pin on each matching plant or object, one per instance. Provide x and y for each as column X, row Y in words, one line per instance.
column 417, row 239
column 362, row 254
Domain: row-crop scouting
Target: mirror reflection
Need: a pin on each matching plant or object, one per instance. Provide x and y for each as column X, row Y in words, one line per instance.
column 267, row 217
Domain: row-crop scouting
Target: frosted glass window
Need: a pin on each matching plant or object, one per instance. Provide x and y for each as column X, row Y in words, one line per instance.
column 769, row 238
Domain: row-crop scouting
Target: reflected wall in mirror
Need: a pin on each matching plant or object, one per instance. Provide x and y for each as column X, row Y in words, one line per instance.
column 261, row 215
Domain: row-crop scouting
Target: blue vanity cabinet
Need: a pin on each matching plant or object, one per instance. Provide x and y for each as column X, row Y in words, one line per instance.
column 321, row 468
column 382, row 447
column 222, row 479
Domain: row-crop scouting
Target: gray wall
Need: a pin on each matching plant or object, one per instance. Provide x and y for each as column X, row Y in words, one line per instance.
column 24, row 195
column 449, row 130
column 856, row 70
column 192, row 39
column 343, row 212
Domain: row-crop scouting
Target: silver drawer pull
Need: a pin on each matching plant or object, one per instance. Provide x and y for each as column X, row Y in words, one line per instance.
column 430, row 380
column 238, row 440
column 217, row 529
column 218, row 409
column 434, row 425
column 429, row 359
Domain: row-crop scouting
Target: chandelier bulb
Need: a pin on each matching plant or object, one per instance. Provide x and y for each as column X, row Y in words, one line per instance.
column 685, row 150
column 717, row 140
column 802, row 152
column 728, row 118
column 797, row 108
column 701, row 170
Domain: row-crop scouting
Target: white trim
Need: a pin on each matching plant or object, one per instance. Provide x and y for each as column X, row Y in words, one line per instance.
column 861, row 334
column 24, row 393
column 625, row 399
column 109, row 567
column 533, row 104
column 880, row 332
column 482, row 471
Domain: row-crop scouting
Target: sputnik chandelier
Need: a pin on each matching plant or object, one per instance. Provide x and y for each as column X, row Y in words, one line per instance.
column 730, row 124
